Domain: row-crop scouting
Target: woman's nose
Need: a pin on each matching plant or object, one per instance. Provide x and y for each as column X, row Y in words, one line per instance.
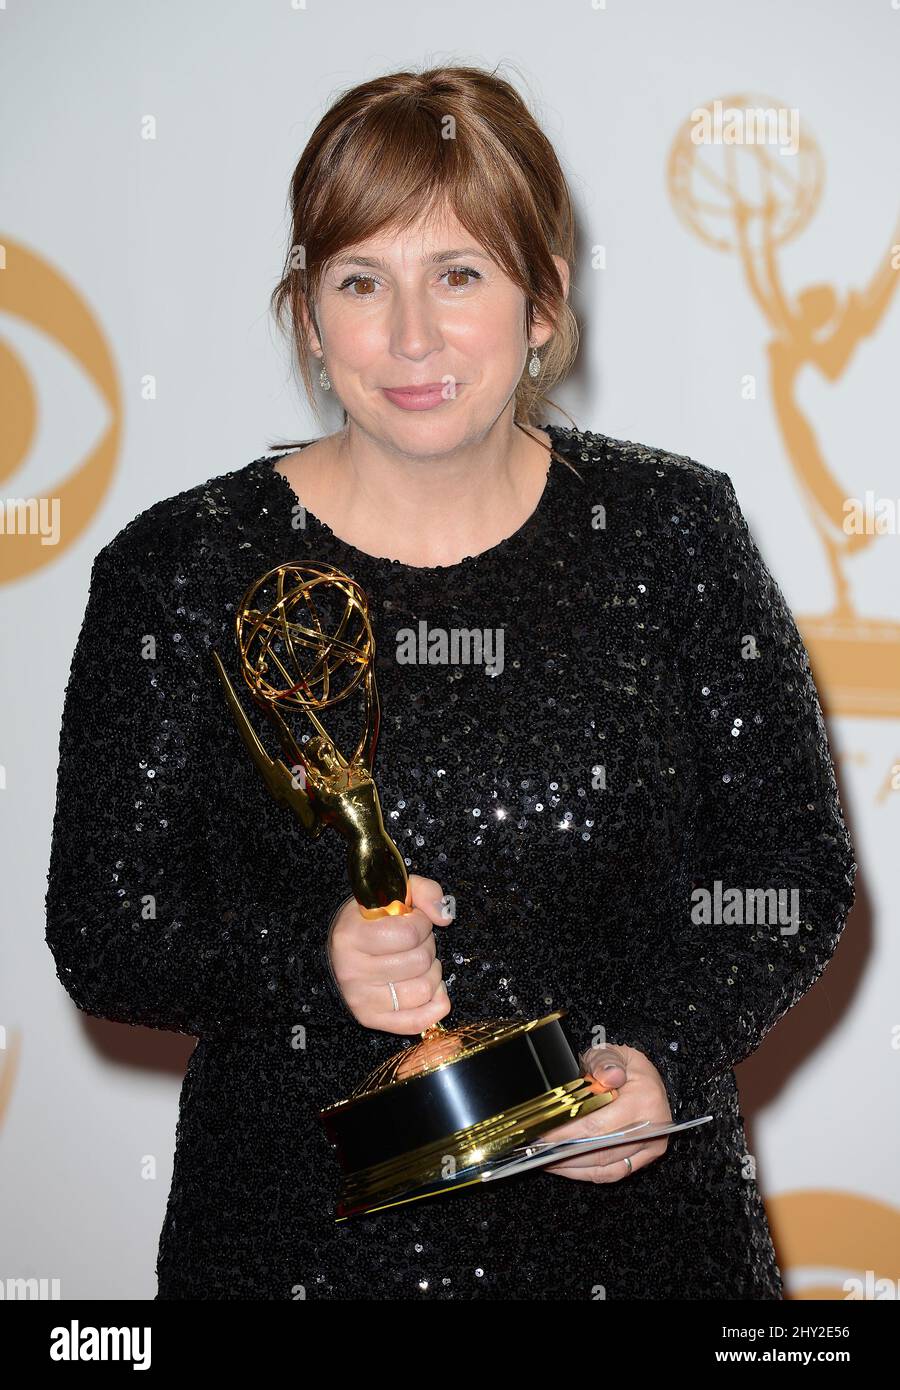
column 414, row 329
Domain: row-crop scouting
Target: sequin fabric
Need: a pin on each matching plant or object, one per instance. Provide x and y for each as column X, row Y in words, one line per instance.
column 654, row 728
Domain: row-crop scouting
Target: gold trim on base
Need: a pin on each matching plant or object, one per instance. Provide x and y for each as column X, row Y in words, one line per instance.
column 398, row 1180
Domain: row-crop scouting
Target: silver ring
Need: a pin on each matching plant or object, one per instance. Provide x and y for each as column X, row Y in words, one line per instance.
column 627, row 1162
column 394, row 998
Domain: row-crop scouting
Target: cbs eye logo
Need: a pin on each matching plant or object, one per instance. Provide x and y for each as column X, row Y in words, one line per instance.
column 60, row 441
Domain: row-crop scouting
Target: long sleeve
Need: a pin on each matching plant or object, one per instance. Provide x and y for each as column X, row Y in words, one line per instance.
column 699, row 995
column 139, row 929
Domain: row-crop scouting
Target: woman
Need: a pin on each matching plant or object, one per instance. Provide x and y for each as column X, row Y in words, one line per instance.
column 647, row 728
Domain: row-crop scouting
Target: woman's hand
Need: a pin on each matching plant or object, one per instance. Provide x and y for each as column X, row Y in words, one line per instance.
column 368, row 956
column 642, row 1096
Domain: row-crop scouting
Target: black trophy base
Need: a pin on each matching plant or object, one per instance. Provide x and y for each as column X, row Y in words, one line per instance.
column 405, row 1137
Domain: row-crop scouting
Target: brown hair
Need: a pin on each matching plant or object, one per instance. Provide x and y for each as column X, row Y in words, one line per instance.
column 390, row 149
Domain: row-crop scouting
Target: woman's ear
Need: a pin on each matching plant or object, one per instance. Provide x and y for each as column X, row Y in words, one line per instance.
column 540, row 330
column 310, row 329
column 562, row 265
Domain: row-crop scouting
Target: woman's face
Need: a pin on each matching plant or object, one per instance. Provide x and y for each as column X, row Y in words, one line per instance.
column 425, row 307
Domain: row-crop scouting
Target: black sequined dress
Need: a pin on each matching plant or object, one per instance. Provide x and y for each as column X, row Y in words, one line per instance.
column 654, row 728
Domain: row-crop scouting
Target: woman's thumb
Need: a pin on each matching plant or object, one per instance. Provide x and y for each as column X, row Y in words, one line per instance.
column 607, row 1063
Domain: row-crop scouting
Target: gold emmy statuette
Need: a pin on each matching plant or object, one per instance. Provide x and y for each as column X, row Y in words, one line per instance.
column 430, row 1118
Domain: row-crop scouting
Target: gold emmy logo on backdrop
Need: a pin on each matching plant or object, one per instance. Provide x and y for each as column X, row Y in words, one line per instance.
column 748, row 199
column 836, row 1245
column 433, row 1116
column 31, row 290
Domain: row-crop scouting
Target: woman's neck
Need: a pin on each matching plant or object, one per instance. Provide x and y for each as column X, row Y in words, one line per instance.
column 422, row 511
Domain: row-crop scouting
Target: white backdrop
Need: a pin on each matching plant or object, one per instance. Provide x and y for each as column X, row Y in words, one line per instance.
column 169, row 248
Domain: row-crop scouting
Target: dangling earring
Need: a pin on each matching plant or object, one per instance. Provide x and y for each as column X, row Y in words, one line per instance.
column 534, row 366
column 324, row 381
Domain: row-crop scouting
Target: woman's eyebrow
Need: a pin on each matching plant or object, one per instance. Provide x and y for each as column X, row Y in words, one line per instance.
column 435, row 259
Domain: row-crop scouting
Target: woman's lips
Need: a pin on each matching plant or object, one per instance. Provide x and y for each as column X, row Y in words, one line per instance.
column 417, row 397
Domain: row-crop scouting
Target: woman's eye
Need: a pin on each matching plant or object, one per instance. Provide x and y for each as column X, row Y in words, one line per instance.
column 358, row 280
column 459, row 276
column 461, row 270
